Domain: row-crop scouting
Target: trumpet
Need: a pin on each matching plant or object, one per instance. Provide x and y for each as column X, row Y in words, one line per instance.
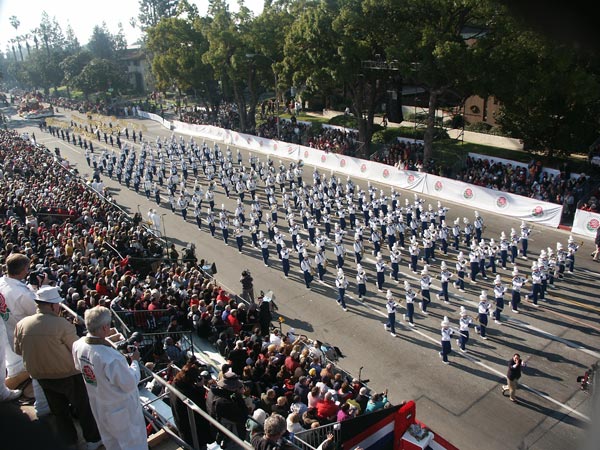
column 470, row 317
column 325, row 264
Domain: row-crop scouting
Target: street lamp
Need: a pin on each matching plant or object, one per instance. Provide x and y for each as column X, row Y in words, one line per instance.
column 253, row 55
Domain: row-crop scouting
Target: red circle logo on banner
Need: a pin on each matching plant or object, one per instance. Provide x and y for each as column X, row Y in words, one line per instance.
column 438, row 186
column 593, row 225
column 342, row 163
column 410, row 178
column 306, row 153
column 275, row 147
column 502, row 202
column 323, row 158
column 538, row 211
column 363, row 168
column 386, row 173
column 468, row 193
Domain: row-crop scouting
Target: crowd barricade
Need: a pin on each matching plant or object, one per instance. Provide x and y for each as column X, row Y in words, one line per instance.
column 145, row 320
column 586, row 223
column 499, row 202
column 484, row 199
column 311, row 439
column 193, row 408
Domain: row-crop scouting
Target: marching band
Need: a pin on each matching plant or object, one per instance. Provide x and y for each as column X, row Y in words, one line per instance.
column 310, row 211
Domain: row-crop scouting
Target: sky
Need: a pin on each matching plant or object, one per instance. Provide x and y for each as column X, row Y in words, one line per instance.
column 83, row 15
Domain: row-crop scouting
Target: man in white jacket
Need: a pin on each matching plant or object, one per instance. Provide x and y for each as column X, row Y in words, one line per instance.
column 111, row 385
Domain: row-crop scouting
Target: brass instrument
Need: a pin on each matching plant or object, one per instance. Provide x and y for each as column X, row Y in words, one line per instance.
column 325, row 263
column 313, row 271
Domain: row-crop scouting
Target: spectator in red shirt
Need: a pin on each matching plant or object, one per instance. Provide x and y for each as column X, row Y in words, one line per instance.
column 327, row 409
column 102, row 289
column 223, row 296
column 234, row 322
column 292, row 361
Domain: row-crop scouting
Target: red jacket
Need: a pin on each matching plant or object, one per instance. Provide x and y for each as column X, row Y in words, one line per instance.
column 235, row 323
column 327, row 409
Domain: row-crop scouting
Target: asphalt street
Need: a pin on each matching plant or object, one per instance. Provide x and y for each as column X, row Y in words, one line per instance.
column 462, row 401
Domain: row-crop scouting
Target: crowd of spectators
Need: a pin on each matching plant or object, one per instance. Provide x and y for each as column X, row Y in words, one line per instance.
column 84, row 106
column 530, row 181
column 407, row 156
column 288, row 130
column 88, row 247
column 336, row 140
column 404, row 155
column 226, row 116
column 66, row 229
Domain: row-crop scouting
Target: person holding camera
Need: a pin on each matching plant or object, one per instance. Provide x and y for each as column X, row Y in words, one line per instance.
column 247, row 286
column 515, row 367
column 19, row 299
column 377, row 401
column 111, row 382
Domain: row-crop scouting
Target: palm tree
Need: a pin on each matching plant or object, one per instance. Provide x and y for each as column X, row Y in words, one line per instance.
column 15, row 22
column 12, row 45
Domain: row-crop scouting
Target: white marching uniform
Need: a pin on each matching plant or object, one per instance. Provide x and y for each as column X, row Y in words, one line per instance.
column 112, row 390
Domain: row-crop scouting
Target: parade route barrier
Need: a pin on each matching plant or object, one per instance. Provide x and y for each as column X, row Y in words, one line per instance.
column 477, row 197
column 586, row 223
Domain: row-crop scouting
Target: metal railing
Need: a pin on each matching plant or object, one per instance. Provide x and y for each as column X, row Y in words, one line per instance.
column 120, row 324
column 170, row 389
column 192, row 409
column 144, row 320
column 311, row 439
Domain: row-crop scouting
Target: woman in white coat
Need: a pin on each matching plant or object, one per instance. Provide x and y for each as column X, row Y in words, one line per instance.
column 111, row 385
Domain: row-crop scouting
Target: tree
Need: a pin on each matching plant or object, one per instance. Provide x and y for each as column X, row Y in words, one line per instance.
column 331, row 46
column 310, row 50
column 72, row 66
column 427, row 39
column 72, row 44
column 363, row 67
column 119, row 40
column 100, row 75
column 266, row 43
column 227, row 35
column 50, row 33
column 177, row 46
column 549, row 92
column 152, row 11
column 16, row 23
column 101, row 44
column 43, row 70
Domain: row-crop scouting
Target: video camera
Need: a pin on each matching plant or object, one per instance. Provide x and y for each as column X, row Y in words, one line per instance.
column 37, row 276
column 135, row 338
